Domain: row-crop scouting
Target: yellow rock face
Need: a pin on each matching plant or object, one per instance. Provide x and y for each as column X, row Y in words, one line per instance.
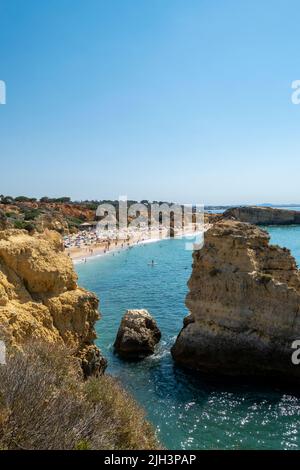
column 244, row 303
column 39, row 295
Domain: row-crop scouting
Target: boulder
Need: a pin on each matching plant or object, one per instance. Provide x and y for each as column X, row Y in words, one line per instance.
column 137, row 335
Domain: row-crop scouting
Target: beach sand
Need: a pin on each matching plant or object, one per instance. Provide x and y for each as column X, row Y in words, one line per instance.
column 84, row 253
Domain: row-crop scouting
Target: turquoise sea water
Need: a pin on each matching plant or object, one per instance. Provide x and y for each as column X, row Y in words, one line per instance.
column 189, row 411
column 288, row 237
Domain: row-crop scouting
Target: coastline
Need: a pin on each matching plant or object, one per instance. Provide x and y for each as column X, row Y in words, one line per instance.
column 85, row 253
column 81, row 256
column 166, row 392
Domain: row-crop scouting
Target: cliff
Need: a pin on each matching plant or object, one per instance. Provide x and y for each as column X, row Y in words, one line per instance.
column 39, row 216
column 40, row 298
column 263, row 215
column 46, row 321
column 244, row 299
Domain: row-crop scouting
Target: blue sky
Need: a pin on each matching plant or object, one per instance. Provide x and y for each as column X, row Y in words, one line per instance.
column 182, row 100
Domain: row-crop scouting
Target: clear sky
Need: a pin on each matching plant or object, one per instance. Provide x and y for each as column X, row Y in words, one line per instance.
column 183, row 100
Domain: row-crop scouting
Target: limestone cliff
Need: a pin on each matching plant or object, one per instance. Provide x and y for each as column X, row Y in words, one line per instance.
column 40, row 298
column 263, row 215
column 244, row 299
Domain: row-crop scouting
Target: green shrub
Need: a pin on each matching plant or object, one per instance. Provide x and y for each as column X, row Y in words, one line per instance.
column 74, row 220
column 31, row 214
column 25, row 199
column 23, row 225
column 19, row 224
column 46, row 404
column 82, row 445
column 133, row 431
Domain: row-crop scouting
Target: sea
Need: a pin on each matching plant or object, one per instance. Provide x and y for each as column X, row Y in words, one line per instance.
column 188, row 410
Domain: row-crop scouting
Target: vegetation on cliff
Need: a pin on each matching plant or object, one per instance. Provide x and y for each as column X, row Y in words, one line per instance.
column 263, row 215
column 46, row 404
column 53, row 394
column 59, row 214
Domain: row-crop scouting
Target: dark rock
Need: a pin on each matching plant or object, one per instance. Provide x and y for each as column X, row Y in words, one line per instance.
column 137, row 336
column 92, row 362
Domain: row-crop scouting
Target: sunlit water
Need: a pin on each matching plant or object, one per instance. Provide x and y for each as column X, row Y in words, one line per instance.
column 189, row 411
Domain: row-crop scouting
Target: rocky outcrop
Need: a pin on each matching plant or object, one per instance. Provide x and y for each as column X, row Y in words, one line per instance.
column 54, row 221
column 263, row 215
column 244, row 302
column 40, row 298
column 39, row 216
column 4, row 224
column 137, row 335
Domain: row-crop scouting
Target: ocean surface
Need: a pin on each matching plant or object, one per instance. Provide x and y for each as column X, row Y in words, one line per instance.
column 189, row 411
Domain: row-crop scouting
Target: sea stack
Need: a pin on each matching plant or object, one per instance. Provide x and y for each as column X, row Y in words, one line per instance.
column 137, row 336
column 244, row 302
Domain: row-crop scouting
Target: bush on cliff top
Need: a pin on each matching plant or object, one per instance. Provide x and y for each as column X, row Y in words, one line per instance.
column 45, row 404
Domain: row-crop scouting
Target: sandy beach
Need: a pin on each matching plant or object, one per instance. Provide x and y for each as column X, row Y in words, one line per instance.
column 90, row 247
column 83, row 253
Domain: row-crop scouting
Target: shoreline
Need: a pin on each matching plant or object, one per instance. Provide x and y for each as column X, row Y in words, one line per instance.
column 84, row 254
column 100, row 252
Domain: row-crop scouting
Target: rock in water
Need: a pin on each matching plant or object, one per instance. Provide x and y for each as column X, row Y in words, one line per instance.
column 137, row 336
column 244, row 302
column 40, row 298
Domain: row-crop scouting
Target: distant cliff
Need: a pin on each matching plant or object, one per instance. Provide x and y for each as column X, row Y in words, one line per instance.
column 39, row 216
column 244, row 302
column 263, row 215
column 40, row 298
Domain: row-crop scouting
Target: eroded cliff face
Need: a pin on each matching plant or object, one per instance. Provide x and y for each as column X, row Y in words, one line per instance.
column 263, row 215
column 40, row 298
column 244, row 299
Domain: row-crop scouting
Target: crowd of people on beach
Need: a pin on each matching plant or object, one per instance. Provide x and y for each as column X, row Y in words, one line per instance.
column 86, row 238
column 87, row 243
